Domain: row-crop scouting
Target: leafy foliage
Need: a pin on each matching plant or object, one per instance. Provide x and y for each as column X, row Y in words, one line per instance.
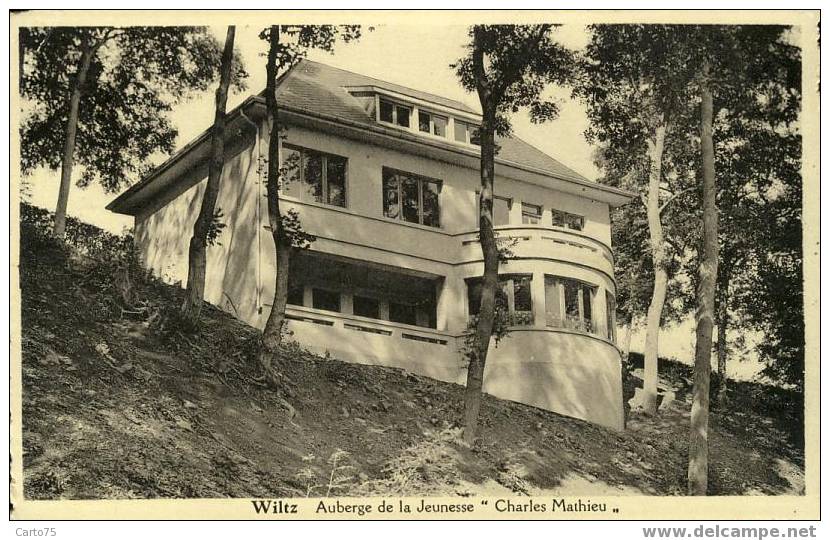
column 521, row 61
column 137, row 74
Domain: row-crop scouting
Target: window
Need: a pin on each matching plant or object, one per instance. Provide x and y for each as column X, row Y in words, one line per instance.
column 327, row 300
column 569, row 304
column 610, row 316
column 431, row 123
column 560, row 218
column 513, row 296
column 531, row 214
column 394, row 113
column 411, row 198
column 501, row 210
column 402, row 313
column 467, row 133
column 295, row 295
column 365, row 306
column 314, row 176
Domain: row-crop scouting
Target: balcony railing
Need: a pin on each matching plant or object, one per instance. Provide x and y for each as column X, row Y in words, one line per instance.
column 370, row 326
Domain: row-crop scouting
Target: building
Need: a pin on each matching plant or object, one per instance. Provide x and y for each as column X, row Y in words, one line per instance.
column 386, row 179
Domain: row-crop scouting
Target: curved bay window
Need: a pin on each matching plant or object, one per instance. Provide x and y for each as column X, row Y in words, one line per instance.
column 569, row 303
column 513, row 296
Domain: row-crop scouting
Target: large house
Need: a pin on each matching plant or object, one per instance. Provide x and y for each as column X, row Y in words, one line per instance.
column 386, row 178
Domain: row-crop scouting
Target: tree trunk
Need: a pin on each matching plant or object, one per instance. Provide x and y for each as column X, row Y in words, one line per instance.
column 487, row 302
column 626, row 342
column 723, row 346
column 658, row 257
column 489, row 248
column 708, row 271
column 272, row 333
column 67, row 161
column 197, row 259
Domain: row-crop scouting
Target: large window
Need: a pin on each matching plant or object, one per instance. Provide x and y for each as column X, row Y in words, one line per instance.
column 561, row 218
column 314, row 176
column 394, row 113
column 467, row 133
column 410, row 197
column 569, row 304
column 432, row 123
column 531, row 214
column 513, row 296
column 366, row 306
column 325, row 299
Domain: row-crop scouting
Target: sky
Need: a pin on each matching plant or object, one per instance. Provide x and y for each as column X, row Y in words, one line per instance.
column 418, row 57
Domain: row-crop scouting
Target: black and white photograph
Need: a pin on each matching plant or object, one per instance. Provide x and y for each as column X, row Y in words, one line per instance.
column 414, row 265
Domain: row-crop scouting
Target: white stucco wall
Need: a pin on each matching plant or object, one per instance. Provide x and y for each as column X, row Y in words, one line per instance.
column 556, row 370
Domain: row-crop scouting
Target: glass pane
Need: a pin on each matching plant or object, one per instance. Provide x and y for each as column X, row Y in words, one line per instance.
column 501, row 211
column 336, row 180
column 366, row 307
column 554, row 317
column 587, row 311
column 531, row 214
column 391, row 206
column 402, row 313
column 557, row 218
column 312, row 177
column 439, row 126
column 571, row 300
column 409, row 193
column 291, row 163
column 423, row 121
column 432, row 209
column 474, row 137
column 574, row 222
column 473, row 295
column 521, row 294
column 460, row 131
column 327, row 300
column 295, row 295
column 403, row 116
column 385, row 111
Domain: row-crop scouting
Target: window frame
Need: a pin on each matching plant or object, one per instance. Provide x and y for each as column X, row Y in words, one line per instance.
column 507, row 283
column 468, row 135
column 508, row 200
column 395, row 105
column 565, row 216
column 324, row 188
column 537, row 216
column 431, row 129
column 421, row 179
column 561, row 314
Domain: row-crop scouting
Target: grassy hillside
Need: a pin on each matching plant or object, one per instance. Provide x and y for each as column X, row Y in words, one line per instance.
column 118, row 403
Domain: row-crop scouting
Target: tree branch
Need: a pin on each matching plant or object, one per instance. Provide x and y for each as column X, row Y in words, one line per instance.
column 673, row 197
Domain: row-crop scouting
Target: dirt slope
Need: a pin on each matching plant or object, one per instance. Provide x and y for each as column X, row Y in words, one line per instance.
column 118, row 404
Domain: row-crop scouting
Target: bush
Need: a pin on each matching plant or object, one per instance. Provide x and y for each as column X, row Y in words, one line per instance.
column 85, row 239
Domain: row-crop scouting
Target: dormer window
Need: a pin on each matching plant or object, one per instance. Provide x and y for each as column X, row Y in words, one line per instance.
column 466, row 132
column 432, row 123
column 393, row 113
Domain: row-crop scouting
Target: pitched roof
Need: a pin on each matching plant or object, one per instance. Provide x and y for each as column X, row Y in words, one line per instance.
column 322, row 89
